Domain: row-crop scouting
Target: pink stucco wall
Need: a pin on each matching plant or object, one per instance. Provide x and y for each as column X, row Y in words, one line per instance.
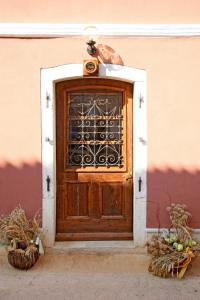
column 173, row 72
column 104, row 11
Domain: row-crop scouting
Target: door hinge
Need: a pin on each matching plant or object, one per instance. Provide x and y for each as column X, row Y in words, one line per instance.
column 140, row 184
column 48, row 180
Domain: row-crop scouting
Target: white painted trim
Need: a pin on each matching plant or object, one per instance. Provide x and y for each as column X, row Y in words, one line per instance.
column 48, row 78
column 37, row 30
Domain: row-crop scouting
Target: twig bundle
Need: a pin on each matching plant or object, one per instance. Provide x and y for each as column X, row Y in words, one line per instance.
column 179, row 218
column 16, row 227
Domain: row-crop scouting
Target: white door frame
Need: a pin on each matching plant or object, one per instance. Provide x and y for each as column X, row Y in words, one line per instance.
column 137, row 77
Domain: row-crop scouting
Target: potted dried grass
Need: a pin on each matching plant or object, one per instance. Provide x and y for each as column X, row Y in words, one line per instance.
column 172, row 251
column 22, row 238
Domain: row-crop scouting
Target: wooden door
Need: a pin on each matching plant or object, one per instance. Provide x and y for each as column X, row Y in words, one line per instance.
column 94, row 160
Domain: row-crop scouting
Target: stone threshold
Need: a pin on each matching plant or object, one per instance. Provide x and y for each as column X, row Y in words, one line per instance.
column 93, row 247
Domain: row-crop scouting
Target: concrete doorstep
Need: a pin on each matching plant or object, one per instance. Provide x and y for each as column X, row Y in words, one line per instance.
column 94, row 273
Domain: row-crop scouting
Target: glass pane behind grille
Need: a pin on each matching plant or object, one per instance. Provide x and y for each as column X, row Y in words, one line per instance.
column 95, row 129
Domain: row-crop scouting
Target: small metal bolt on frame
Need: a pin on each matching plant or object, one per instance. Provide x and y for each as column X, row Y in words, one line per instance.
column 48, row 140
column 141, row 100
column 142, row 141
column 48, row 99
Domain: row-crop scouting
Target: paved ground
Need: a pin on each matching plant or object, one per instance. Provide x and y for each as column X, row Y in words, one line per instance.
column 94, row 275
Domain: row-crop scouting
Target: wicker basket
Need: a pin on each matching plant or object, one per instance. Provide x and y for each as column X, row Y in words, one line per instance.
column 21, row 261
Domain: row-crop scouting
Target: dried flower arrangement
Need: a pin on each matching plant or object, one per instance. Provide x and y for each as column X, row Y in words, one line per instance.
column 173, row 250
column 22, row 238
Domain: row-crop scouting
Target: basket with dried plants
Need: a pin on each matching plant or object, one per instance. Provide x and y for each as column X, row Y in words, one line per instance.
column 173, row 250
column 22, row 238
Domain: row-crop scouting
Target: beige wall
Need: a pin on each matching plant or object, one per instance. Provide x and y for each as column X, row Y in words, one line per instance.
column 173, row 72
column 104, row 11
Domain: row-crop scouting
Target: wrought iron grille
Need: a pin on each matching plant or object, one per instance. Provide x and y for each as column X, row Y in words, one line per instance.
column 95, row 129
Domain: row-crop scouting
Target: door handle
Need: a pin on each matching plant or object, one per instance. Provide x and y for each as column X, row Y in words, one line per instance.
column 129, row 176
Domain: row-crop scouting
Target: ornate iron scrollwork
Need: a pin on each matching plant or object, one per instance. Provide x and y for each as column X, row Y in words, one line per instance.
column 95, row 129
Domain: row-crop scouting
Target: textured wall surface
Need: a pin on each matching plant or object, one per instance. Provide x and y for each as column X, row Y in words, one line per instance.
column 173, row 72
column 104, row 11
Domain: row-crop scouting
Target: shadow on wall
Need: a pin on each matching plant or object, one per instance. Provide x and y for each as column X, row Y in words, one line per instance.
column 170, row 186
column 107, row 55
column 21, row 186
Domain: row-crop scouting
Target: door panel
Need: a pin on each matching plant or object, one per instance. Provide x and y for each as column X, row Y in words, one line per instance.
column 77, row 195
column 114, row 207
column 94, row 160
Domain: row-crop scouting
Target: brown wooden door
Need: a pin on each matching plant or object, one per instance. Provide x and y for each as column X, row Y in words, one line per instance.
column 94, row 160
